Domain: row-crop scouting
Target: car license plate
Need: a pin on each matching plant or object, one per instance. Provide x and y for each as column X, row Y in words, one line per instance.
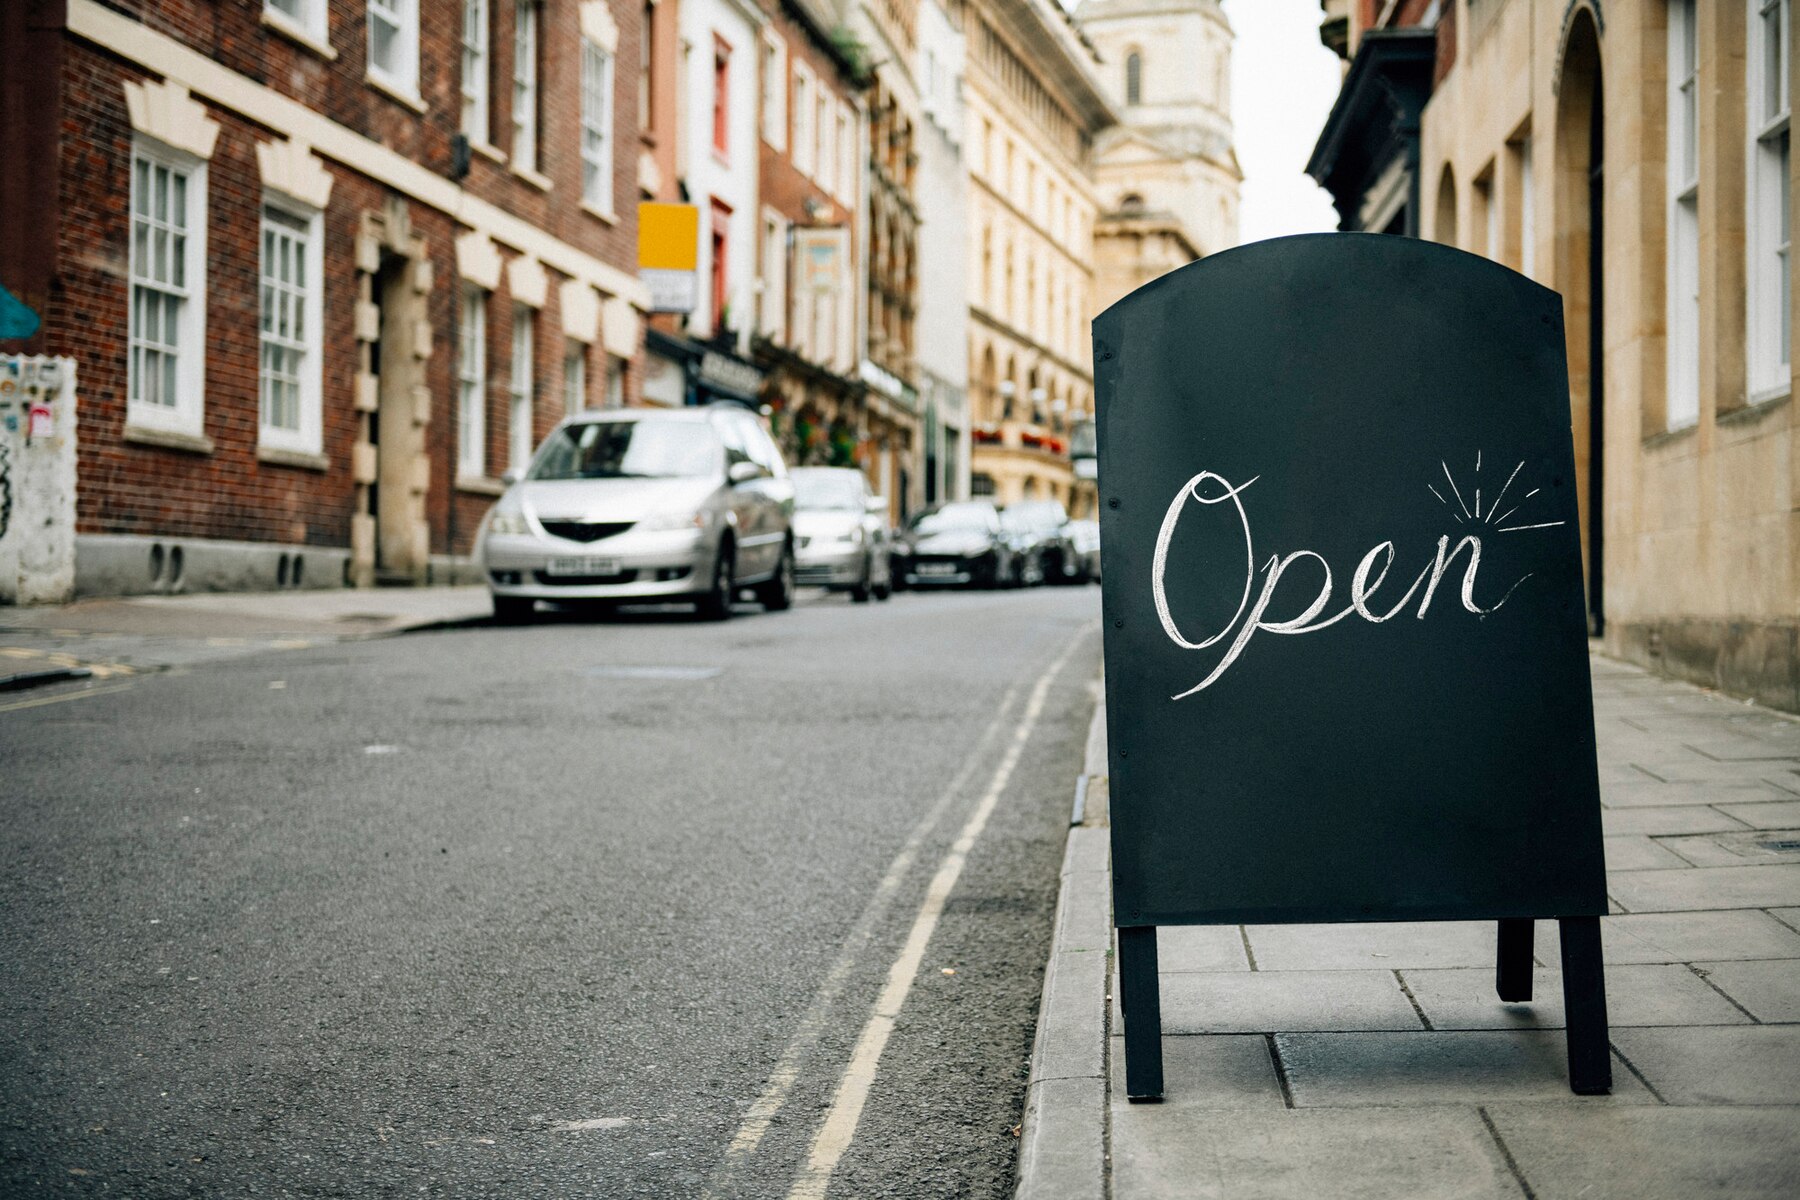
column 939, row 568
column 583, row 566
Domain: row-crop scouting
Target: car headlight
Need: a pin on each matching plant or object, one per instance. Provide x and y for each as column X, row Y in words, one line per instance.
column 854, row 536
column 508, row 523
column 664, row 521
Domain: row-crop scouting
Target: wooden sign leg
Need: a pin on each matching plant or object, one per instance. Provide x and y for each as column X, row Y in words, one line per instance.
column 1140, row 998
column 1584, row 1003
column 1512, row 965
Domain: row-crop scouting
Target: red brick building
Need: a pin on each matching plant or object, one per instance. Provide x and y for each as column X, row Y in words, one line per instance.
column 813, row 146
column 328, row 268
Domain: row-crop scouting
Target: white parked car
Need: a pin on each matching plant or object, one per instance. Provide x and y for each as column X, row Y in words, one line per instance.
column 643, row 506
column 840, row 532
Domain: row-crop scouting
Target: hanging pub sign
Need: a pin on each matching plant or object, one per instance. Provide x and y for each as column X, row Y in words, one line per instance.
column 1346, row 650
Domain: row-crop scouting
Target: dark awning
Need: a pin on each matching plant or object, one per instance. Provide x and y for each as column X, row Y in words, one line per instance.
column 1376, row 116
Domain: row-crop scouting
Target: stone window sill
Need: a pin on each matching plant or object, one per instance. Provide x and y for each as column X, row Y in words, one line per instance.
column 604, row 214
column 479, row 485
column 293, row 458
column 1761, row 404
column 488, row 151
column 535, row 179
column 1669, row 436
column 395, row 92
column 168, row 439
column 301, row 37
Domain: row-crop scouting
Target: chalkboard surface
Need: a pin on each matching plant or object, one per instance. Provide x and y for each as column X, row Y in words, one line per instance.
column 1346, row 656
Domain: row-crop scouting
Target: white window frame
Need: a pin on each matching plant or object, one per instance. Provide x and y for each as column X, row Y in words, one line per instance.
column 615, row 381
column 574, row 377
column 1682, row 406
column 521, row 388
column 477, row 69
column 1768, row 222
column 772, row 320
column 596, row 127
column 402, row 16
column 774, row 90
column 827, row 155
column 305, row 304
column 471, row 385
column 182, row 294
column 307, row 16
column 805, row 145
column 526, row 30
column 846, row 151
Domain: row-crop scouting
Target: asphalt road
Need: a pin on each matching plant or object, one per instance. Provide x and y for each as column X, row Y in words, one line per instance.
column 605, row 908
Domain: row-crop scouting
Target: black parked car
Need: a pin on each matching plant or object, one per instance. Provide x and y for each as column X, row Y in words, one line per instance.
column 1038, row 531
column 959, row 544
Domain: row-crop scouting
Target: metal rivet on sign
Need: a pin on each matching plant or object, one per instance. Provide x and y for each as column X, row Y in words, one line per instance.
column 1113, row 503
column 1118, row 624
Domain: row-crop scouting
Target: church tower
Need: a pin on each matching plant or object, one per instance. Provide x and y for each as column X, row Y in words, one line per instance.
column 1168, row 176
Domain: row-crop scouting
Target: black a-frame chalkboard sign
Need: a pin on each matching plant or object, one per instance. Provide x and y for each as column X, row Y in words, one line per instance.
column 1346, row 652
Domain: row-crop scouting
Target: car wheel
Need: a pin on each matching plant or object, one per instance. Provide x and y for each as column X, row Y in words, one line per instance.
column 864, row 589
column 777, row 594
column 514, row 610
column 715, row 605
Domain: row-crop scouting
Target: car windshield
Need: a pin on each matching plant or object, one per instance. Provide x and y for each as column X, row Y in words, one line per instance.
column 955, row 517
column 840, row 491
column 641, row 449
column 1045, row 514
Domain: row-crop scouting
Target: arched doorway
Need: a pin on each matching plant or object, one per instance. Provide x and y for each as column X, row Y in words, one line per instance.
column 1580, row 240
column 1444, row 230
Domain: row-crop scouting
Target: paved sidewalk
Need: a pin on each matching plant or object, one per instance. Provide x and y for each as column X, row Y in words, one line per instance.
column 137, row 634
column 1329, row 1062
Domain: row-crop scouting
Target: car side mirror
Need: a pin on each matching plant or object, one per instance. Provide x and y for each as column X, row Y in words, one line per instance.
column 511, row 476
column 743, row 472
column 876, row 504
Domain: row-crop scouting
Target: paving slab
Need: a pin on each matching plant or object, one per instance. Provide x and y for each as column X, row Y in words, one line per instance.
column 1745, row 791
column 1783, row 814
column 1272, row 1001
column 1448, row 1155
column 1681, row 937
column 1384, row 946
column 1768, row 989
column 1329, row 1070
column 1706, row 888
column 1706, row 770
column 1636, row 994
column 1663, row 822
column 1747, row 1064
column 1787, row 916
column 1638, row 853
column 1653, row 1153
column 1200, row 948
column 1757, row 847
column 1221, row 1073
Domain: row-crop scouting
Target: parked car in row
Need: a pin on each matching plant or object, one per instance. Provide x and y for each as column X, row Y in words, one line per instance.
column 956, row 544
column 645, row 506
column 840, row 533
column 1038, row 531
column 1085, row 537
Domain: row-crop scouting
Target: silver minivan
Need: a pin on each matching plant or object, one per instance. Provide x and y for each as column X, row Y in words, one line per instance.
column 644, row 506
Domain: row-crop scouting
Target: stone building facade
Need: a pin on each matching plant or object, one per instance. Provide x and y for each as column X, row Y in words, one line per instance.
column 1034, row 109
column 1634, row 156
column 1167, row 176
column 327, row 269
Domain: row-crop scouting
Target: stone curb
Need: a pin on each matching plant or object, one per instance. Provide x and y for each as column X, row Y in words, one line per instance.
column 1062, row 1141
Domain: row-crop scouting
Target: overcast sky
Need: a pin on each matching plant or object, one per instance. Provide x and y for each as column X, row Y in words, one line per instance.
column 1282, row 84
